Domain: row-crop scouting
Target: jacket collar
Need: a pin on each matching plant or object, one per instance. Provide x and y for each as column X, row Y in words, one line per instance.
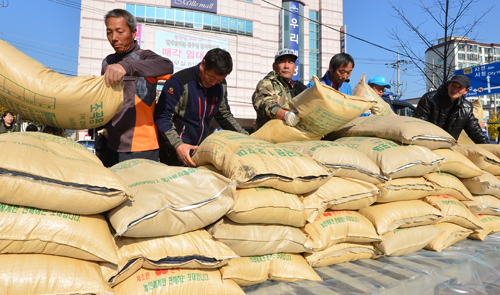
column 129, row 51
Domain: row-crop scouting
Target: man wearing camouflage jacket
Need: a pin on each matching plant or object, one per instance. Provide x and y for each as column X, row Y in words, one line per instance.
column 273, row 93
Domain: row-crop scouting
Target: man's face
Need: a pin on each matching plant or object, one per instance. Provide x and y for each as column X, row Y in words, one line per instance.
column 378, row 89
column 455, row 90
column 285, row 67
column 8, row 118
column 341, row 74
column 119, row 35
column 209, row 78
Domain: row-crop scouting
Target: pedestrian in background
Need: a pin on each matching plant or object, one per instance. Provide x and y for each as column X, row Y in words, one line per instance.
column 7, row 124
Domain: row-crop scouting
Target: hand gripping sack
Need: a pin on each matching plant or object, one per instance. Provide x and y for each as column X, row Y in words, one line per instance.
column 401, row 129
column 323, row 109
column 195, row 249
column 54, row 173
column 169, row 200
column 342, row 159
column 39, row 94
column 381, row 108
column 256, row 163
column 277, row 131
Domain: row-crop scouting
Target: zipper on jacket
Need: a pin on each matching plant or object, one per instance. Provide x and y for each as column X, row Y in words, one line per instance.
column 202, row 119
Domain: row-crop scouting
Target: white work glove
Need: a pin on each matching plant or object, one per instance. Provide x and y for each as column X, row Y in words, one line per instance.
column 292, row 118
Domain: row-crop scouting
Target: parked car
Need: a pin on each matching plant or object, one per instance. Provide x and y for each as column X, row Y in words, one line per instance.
column 88, row 143
column 400, row 107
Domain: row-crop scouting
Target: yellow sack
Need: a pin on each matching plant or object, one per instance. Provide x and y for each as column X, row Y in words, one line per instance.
column 343, row 252
column 256, row 163
column 394, row 160
column 381, row 108
column 485, row 184
column 482, row 158
column 339, row 194
column 195, row 249
column 485, row 205
column 401, row 129
column 342, row 159
column 454, row 211
column 464, row 139
column 178, row 281
column 277, row 131
column 39, row 94
column 390, row 216
column 323, row 109
column 31, row 230
column 490, row 225
column 334, row 227
column 457, row 164
column 169, row 200
column 447, row 184
column 267, row 206
column 452, row 233
column 404, row 189
column 404, row 241
column 50, row 274
column 258, row 239
column 492, row 148
column 247, row 271
column 54, row 173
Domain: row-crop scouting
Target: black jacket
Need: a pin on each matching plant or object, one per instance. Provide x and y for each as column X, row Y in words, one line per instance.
column 436, row 107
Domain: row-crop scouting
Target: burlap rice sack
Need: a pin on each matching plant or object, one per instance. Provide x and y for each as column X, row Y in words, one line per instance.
column 457, row 164
column 258, row 239
column 32, row 230
column 267, row 206
column 178, row 281
column 334, row 227
column 389, row 216
column 343, row 252
column 492, row 148
column 277, row 131
column 169, row 200
column 50, row 274
column 381, row 108
column 447, row 184
column 452, row 233
column 490, row 225
column 404, row 189
column 39, row 94
column 247, row 271
column 342, row 159
column 401, row 129
column 403, row 241
column 482, row 158
column 485, row 184
column 339, row 194
column 195, row 249
column 54, row 173
column 256, row 163
column 394, row 160
column 323, row 109
column 485, row 205
column 454, row 211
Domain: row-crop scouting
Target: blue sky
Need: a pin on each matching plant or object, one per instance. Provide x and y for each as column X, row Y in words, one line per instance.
column 47, row 30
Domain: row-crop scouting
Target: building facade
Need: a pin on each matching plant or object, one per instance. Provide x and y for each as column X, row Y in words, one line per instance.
column 251, row 30
column 464, row 53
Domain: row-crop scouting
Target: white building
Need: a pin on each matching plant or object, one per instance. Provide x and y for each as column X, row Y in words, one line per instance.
column 464, row 53
column 251, row 30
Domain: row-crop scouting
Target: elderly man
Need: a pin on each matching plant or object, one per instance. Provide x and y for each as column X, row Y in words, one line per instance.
column 273, row 93
column 187, row 104
column 447, row 108
column 378, row 84
column 339, row 71
column 132, row 132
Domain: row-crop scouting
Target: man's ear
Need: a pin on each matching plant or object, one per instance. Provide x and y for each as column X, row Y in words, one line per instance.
column 134, row 32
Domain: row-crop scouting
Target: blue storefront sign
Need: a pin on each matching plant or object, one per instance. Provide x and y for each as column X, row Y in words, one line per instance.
column 484, row 79
column 203, row 5
column 294, row 27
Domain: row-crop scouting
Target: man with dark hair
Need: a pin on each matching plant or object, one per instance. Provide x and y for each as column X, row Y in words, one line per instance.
column 338, row 73
column 273, row 93
column 447, row 108
column 132, row 132
column 187, row 104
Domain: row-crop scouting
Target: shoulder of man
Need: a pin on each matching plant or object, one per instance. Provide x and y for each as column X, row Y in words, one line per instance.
column 186, row 75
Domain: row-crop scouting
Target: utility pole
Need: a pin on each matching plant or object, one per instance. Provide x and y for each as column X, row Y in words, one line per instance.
column 397, row 65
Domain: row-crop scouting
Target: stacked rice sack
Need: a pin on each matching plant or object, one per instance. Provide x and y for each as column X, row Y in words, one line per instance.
column 52, row 229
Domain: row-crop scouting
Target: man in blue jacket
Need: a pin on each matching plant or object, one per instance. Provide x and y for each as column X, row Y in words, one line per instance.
column 339, row 71
column 187, row 103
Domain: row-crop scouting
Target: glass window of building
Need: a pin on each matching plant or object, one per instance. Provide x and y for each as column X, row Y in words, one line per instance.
column 314, row 57
column 461, row 47
column 461, row 56
column 471, row 56
column 472, row 48
column 497, row 50
column 487, row 51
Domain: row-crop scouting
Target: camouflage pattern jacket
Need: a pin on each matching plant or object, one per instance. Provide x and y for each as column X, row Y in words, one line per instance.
column 272, row 93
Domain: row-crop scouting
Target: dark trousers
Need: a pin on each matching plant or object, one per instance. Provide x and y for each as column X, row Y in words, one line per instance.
column 112, row 158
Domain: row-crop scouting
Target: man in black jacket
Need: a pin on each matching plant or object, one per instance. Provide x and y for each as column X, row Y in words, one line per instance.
column 448, row 109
